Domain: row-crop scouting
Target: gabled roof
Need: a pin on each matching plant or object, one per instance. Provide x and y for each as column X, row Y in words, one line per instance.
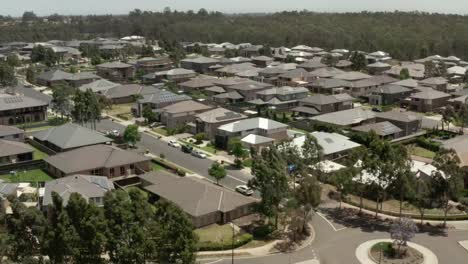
column 11, row 148
column 55, row 75
column 429, row 94
column 382, row 79
column 346, row 117
column 9, row 130
column 127, row 90
column 343, row 97
column 327, row 83
column 409, row 83
column 93, row 157
column 99, row 85
column 250, row 85
column 456, row 70
column 253, row 139
column 312, row 64
column 433, row 81
column 390, row 89
column 252, row 123
column 176, row 71
column 326, row 72
column 198, row 83
column 193, row 196
column 330, row 142
column 299, row 72
column 230, row 95
column 10, row 102
column 284, row 90
column 382, row 128
column 319, row 99
column 215, row 89
column 115, row 64
column 400, row 116
column 185, row 106
column 352, row 76
column 460, row 145
column 71, row 136
column 163, row 96
column 88, row 186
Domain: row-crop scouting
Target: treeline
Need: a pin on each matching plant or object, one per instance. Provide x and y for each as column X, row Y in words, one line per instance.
column 406, row 35
column 127, row 229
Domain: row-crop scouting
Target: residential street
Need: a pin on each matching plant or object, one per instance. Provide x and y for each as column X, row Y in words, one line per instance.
column 175, row 155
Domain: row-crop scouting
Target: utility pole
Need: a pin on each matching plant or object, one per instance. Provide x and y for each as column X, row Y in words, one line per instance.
column 232, row 243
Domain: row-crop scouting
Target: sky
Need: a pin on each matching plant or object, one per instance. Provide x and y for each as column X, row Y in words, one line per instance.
column 83, row 7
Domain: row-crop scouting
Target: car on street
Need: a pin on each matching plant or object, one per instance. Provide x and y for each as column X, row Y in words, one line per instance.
column 173, row 143
column 199, row 154
column 154, row 124
column 187, row 148
column 114, row 133
column 244, row 189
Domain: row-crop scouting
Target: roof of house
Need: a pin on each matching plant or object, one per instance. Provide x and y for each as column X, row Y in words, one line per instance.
column 175, row 72
column 253, row 139
column 10, row 102
column 54, row 75
column 346, row 117
column 11, row 148
column 460, row 145
column 312, row 64
column 230, row 95
column 415, row 70
column 457, row 70
column 218, row 115
column 305, row 109
column 126, row 90
column 343, row 64
column 262, row 58
column 382, row 79
column 88, row 186
column 252, row 123
column 237, row 68
column 185, row 106
column 330, row 142
column 215, row 89
column 379, row 64
column 326, row 83
column 93, row 157
column 9, row 130
column 390, row 89
column 409, row 83
column 430, row 94
column 115, row 64
column 433, row 81
column 319, row 99
column 299, row 72
column 201, row 60
column 163, row 96
column 382, row 128
column 363, row 83
column 193, row 196
column 284, row 90
column 250, row 85
column 400, row 116
column 198, row 83
column 326, row 72
column 99, row 85
column 70, row 136
column 343, row 97
column 83, row 76
column 7, row 189
column 352, row 76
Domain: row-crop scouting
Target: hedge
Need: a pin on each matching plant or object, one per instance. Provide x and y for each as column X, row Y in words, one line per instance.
column 172, row 167
column 225, row 245
column 427, row 144
column 122, row 116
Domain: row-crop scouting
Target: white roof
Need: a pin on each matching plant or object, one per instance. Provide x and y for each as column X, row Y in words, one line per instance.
column 330, row 142
column 252, row 123
column 328, row 166
column 253, row 139
column 456, row 70
column 419, row 167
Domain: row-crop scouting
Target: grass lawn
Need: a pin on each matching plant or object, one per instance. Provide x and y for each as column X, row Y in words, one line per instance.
column 161, row 131
column 38, row 155
column 120, row 109
column 247, row 163
column 33, row 129
column 421, row 152
column 37, row 175
column 156, row 167
column 215, row 233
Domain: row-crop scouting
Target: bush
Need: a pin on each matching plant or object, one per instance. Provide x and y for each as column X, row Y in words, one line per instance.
column 263, row 231
column 123, row 116
column 225, row 245
column 427, row 144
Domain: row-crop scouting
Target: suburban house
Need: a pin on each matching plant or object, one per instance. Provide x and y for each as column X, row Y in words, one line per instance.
column 14, row 151
column 153, row 64
column 384, row 130
column 235, row 69
column 11, row 133
column 116, row 71
column 460, row 145
column 416, row 70
column 127, row 93
column 408, row 122
column 428, row 100
column 101, row 160
column 248, row 89
column 253, row 50
column 227, row 98
column 81, row 78
column 204, row 202
column 98, row 86
column 158, row 99
column 68, row 137
column 209, row 121
column 92, row 188
column 344, row 65
column 436, row 83
column 327, row 72
column 196, row 84
column 56, row 77
column 407, row 83
column 282, row 98
column 312, row 65
column 378, row 67
column 181, row 113
column 176, row 75
column 349, row 118
column 328, row 86
column 258, row 126
column 262, row 61
column 388, row 94
column 214, row 90
column 18, row 109
column 321, row 104
column 358, row 84
column 199, row 64
column 296, row 77
column 334, row 145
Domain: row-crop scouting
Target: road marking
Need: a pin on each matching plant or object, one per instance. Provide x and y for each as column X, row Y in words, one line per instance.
column 237, row 179
column 219, row 260
column 330, row 223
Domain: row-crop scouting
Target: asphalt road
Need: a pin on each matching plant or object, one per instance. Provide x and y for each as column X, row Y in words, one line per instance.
column 175, row 155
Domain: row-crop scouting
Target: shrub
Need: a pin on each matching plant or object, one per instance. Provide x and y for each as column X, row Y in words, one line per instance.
column 225, row 245
column 263, row 231
column 427, row 144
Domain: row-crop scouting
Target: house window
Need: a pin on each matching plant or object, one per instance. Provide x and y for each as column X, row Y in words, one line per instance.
column 122, row 170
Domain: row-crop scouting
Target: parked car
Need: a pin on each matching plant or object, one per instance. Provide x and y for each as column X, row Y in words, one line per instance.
column 187, row 148
column 114, row 133
column 173, row 143
column 244, row 189
column 154, row 124
column 199, row 154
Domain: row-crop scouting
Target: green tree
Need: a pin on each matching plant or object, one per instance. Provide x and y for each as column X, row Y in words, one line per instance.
column 96, row 60
column 422, row 197
column 343, row 181
column 148, row 114
column 217, row 171
column 429, row 69
column 31, row 74
column 359, row 61
column 79, row 107
column 93, row 109
column 13, row 60
column 131, row 135
column 7, row 75
column 236, row 149
column 199, row 137
column 61, row 99
column 404, row 74
column 448, row 116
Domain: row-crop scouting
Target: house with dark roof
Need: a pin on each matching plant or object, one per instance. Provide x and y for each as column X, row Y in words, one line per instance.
column 388, row 94
column 98, row 86
column 328, row 86
column 11, row 133
column 326, row 72
column 347, row 118
column 407, row 83
column 14, row 152
column 91, row 188
column 53, row 77
column 209, row 121
column 318, row 104
column 460, row 145
column 385, row 130
column 286, row 97
column 253, row 50
column 158, row 99
column 199, row 64
column 81, row 78
column 69, row 136
column 153, row 64
column 249, row 89
column 196, row 84
column 99, row 160
column 127, row 93
column 312, row 65
column 262, row 61
column 378, row 67
column 416, row 70
column 235, row 69
column 428, row 100
column 436, row 83
column 18, row 109
column 176, row 75
column 408, row 122
column 182, row 113
column 116, row 71
column 203, row 202
column 296, row 77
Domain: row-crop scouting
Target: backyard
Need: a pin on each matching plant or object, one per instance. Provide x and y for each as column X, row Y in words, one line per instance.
column 38, row 155
column 36, row 175
column 420, row 152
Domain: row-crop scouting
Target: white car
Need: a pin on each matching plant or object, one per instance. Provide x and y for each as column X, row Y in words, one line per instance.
column 173, row 143
column 199, row 154
column 244, row 189
column 114, row 132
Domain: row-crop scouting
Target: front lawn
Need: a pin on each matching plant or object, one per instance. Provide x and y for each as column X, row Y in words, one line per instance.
column 157, row 167
column 421, row 152
column 117, row 109
column 32, row 176
column 215, row 233
column 160, row 130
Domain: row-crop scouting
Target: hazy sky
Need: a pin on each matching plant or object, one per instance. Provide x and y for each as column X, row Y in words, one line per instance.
column 45, row 7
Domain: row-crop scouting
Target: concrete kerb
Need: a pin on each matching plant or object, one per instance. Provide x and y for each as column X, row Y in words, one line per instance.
column 363, row 251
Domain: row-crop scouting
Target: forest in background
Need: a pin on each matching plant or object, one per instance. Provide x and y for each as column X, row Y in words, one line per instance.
column 405, row 35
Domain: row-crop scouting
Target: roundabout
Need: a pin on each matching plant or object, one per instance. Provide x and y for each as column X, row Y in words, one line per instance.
column 364, row 249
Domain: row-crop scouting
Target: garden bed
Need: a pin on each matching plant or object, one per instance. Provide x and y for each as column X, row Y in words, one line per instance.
column 384, row 253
